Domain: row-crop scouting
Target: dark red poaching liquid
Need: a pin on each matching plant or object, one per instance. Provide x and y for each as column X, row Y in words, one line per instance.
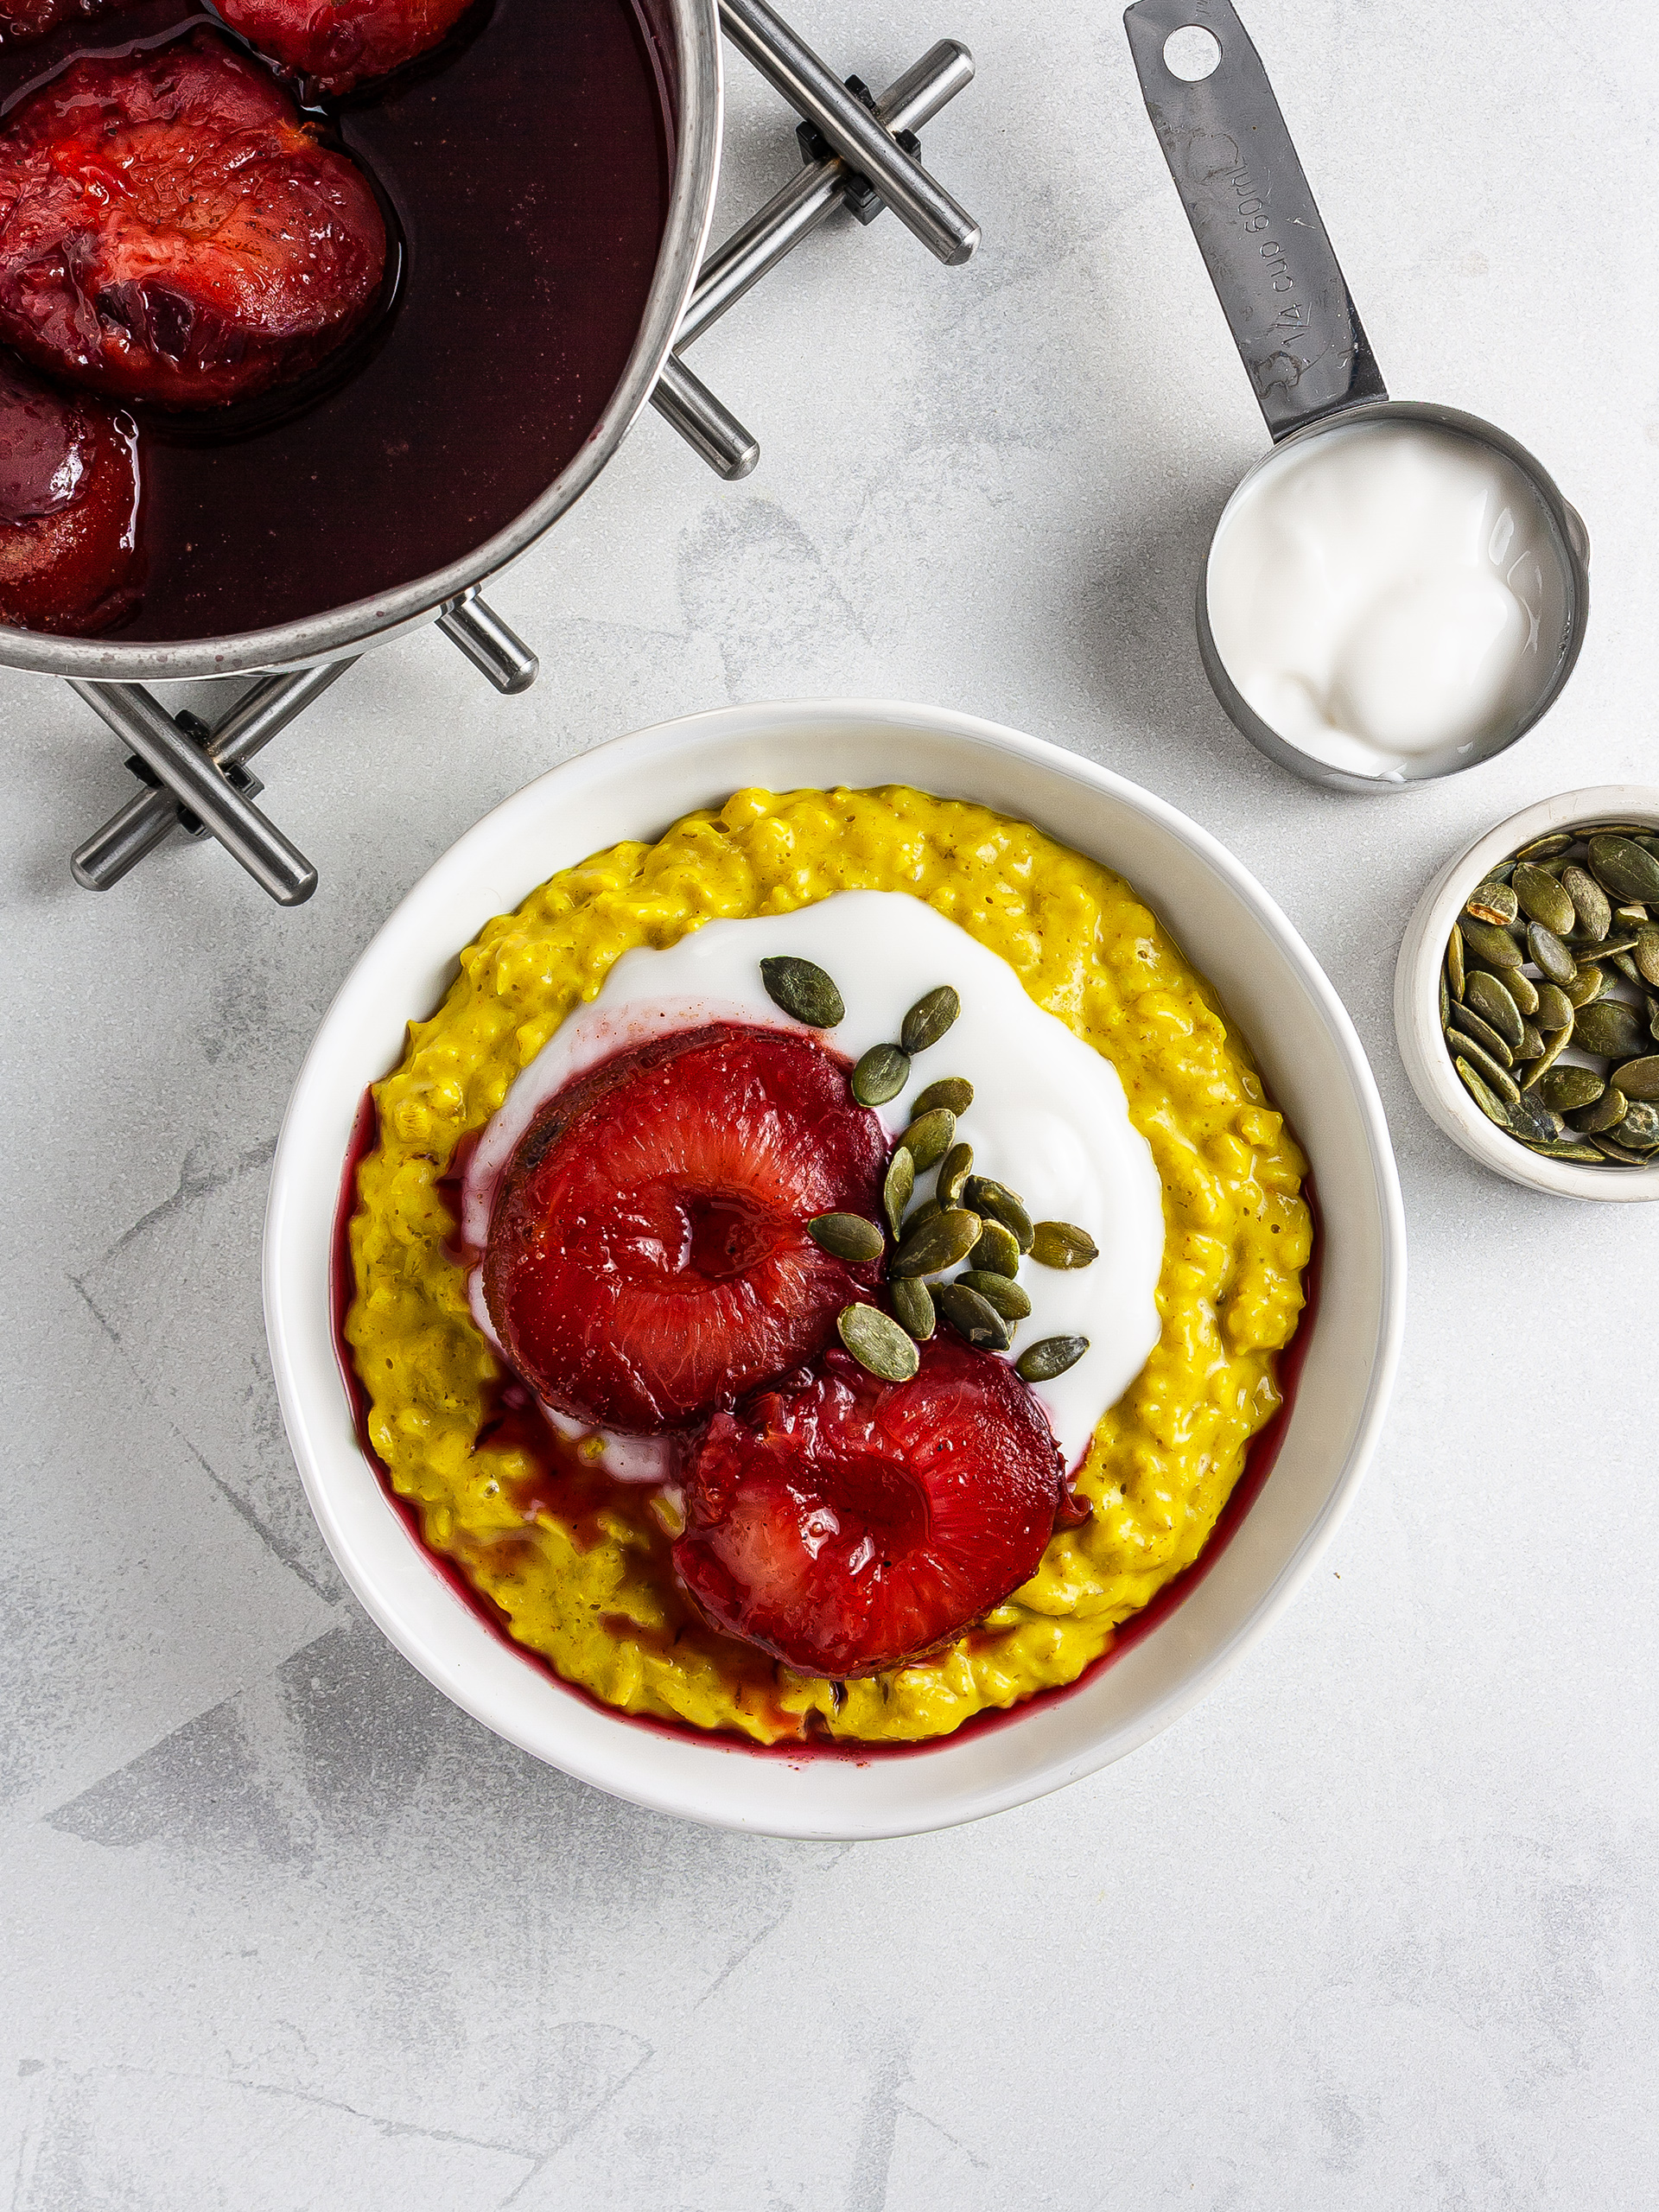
column 523, row 169
column 565, row 1487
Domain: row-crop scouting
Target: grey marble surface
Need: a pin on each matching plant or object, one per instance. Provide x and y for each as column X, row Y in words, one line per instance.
column 1372, row 1926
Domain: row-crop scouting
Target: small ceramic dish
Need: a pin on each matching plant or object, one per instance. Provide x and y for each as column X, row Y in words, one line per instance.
column 1314, row 1066
column 1417, row 997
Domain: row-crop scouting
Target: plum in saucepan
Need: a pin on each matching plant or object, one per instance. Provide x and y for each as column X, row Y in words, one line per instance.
column 171, row 230
column 68, row 509
column 338, row 44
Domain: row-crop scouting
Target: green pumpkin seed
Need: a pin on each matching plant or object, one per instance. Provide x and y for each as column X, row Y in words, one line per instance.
column 1649, row 845
column 1454, row 964
column 1653, row 1018
column 1488, row 942
column 998, row 1203
column 1494, row 1003
column 1532, row 1043
column 1640, row 1127
column 952, row 1091
column 1445, row 1002
column 950, row 1236
column 997, row 1252
column 930, row 1137
column 1497, row 1076
column 896, row 1191
column 1586, row 988
column 1624, row 868
column 1542, row 899
column 1482, row 1092
column 1565, row 1089
column 1041, row 1363
column 803, row 991
column 1628, row 968
column 1062, row 1244
column 1492, row 901
column 1645, row 953
column 1554, row 1044
column 1610, row 1150
column 1010, row 1301
column 954, row 1171
column 1605, row 1112
column 1521, row 988
column 1554, row 1008
column 973, row 1317
column 1546, row 848
column 1549, row 954
column 1590, row 902
column 846, row 1237
column 929, row 1019
column 1469, row 1024
column 878, row 1344
column 912, row 1302
column 1639, row 1079
column 880, row 1075
column 1567, row 1149
column 1611, row 1028
column 926, row 1212
column 1610, row 948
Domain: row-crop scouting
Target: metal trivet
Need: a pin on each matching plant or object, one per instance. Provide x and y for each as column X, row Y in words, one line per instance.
column 860, row 152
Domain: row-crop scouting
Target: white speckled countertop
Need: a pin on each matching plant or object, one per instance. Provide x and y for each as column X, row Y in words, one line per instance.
column 1372, row 1926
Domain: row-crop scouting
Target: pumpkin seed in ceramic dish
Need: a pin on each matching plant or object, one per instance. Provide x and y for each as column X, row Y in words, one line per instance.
column 1488, row 942
column 803, row 990
column 926, row 1212
column 1564, row 1089
column 1541, row 899
column 1584, row 1152
column 1491, row 1069
column 1550, row 954
column 1645, row 953
column 1481, row 1092
column 1611, row 1029
column 998, row 1203
column 1532, row 1042
column 1590, row 902
column 1602, row 1114
column 936, row 1244
column 929, row 1019
column 1624, row 869
column 1491, row 1001
column 930, row 1137
column 1492, row 901
column 896, row 1190
column 1521, row 988
column 1554, row 1044
column 1010, row 1301
column 882, row 1074
column 954, row 1171
column 952, row 1091
column 973, row 1317
column 1062, row 1244
column 878, row 1344
column 846, row 1237
column 1639, row 1079
column 912, row 1302
column 1468, row 1023
column 1546, row 848
column 1454, row 964
column 1610, row 1148
column 1554, row 1010
column 1041, row 1363
column 1587, row 986
column 1640, row 1127
column 997, row 1252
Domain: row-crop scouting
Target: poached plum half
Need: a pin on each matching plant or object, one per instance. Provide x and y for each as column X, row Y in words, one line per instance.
column 845, row 1524
column 21, row 20
column 648, row 1257
column 171, row 230
column 338, row 44
column 68, row 509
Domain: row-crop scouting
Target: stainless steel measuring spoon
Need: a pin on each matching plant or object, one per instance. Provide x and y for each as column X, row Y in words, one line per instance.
column 1300, row 336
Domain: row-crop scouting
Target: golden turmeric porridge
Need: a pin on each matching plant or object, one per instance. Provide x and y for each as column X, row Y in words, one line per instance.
column 577, row 1565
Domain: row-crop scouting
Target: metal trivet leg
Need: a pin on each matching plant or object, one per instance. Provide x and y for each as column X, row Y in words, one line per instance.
column 196, row 778
column 862, row 153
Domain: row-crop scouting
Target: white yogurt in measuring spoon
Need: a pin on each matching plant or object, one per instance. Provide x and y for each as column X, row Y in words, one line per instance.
column 1049, row 1117
column 1386, row 596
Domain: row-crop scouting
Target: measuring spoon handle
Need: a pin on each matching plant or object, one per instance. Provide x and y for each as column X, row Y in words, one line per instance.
column 1281, row 289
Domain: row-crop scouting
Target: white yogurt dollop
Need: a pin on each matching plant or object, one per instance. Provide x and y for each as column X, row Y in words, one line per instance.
column 1387, row 595
column 1049, row 1117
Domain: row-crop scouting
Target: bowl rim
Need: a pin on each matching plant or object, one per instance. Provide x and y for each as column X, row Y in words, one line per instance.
column 294, row 1300
column 1416, row 997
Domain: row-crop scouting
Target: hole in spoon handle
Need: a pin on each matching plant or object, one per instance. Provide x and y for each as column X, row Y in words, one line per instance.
column 1280, row 288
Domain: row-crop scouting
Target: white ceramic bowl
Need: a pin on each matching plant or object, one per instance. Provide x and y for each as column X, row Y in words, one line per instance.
column 1417, row 998
column 635, row 787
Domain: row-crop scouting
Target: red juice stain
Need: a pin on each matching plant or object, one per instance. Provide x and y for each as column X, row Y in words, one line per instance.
column 578, row 1493
column 523, row 168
